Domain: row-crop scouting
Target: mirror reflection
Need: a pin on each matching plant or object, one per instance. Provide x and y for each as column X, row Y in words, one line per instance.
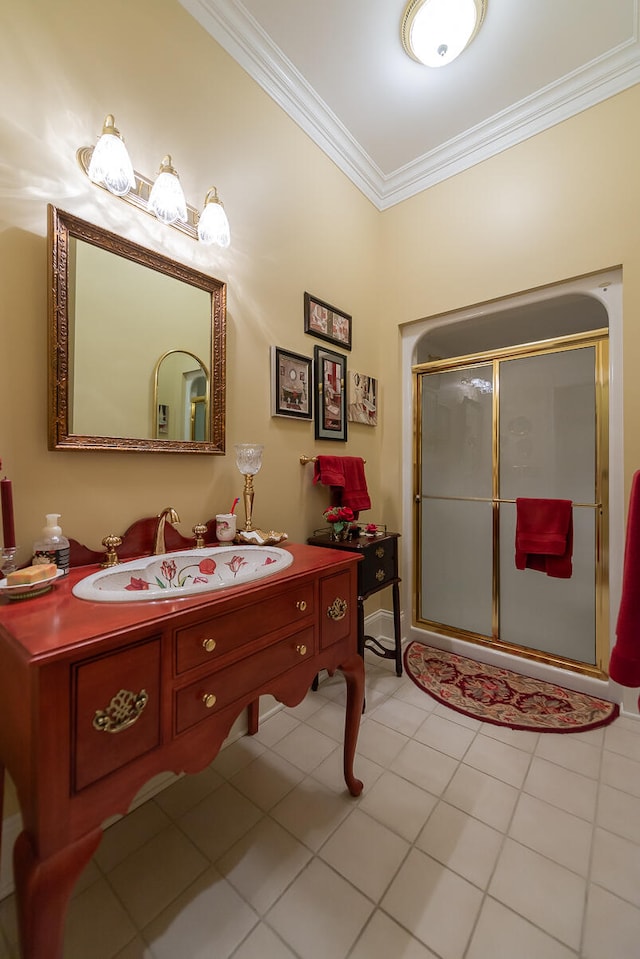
column 137, row 346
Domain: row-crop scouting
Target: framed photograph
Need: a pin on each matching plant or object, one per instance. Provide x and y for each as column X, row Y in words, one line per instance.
column 326, row 322
column 362, row 396
column 330, row 370
column 291, row 384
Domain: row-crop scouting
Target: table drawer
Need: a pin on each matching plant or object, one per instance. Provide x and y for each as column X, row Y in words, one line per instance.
column 213, row 637
column 205, row 698
column 117, row 710
column 378, row 566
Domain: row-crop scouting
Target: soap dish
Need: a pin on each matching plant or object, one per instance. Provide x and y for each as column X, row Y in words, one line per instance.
column 29, row 590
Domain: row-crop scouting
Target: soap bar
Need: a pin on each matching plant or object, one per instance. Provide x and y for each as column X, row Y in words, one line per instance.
column 31, row 574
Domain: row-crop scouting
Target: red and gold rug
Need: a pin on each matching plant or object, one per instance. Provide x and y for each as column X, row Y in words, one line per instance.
column 502, row 697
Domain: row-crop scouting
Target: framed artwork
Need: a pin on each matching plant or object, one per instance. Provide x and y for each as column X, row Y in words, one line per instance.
column 291, row 384
column 362, row 399
column 331, row 404
column 326, row 322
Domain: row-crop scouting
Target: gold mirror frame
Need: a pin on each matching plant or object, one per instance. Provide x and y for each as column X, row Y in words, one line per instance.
column 63, row 227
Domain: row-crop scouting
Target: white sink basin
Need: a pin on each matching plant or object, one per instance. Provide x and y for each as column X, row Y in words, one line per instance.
column 189, row 573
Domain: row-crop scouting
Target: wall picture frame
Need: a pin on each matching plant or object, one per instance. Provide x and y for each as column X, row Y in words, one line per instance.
column 362, row 399
column 330, row 374
column 327, row 322
column 291, row 384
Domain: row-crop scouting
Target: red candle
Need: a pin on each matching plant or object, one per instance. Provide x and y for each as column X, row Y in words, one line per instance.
column 8, row 527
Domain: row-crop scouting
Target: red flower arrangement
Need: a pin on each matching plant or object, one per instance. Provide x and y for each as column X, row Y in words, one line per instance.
column 340, row 517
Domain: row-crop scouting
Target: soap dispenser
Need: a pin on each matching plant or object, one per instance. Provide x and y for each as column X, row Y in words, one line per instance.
column 53, row 547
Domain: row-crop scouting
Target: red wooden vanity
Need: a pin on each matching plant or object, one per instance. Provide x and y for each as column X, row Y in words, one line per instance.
column 97, row 698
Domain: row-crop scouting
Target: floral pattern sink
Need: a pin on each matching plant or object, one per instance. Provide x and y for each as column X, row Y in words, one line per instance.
column 173, row 575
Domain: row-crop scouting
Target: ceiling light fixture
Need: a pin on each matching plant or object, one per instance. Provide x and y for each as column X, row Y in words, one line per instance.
column 108, row 166
column 435, row 32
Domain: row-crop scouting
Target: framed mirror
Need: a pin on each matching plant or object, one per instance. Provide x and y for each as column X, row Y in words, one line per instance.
column 116, row 311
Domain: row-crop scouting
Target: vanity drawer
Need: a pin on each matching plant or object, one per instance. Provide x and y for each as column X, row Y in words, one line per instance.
column 337, row 608
column 206, row 641
column 117, row 710
column 208, row 696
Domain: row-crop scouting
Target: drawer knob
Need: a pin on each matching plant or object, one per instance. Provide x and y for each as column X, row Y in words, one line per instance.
column 209, row 645
column 301, row 649
column 301, row 605
column 209, row 699
column 380, row 575
column 123, row 711
column 338, row 609
column 380, row 552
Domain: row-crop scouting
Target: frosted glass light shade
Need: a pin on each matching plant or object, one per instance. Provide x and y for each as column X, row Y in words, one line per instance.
column 435, row 32
column 110, row 164
column 167, row 198
column 249, row 458
column 213, row 225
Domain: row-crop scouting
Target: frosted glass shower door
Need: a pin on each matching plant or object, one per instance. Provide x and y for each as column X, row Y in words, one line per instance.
column 456, row 564
column 548, row 450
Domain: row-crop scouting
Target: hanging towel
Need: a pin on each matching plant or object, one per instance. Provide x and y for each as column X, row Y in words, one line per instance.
column 544, row 536
column 329, row 470
column 624, row 666
column 355, row 493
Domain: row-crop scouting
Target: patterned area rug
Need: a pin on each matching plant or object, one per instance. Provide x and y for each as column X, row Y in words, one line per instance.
column 501, row 696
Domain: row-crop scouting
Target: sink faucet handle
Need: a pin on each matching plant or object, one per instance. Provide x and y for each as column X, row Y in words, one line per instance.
column 199, row 531
column 111, row 543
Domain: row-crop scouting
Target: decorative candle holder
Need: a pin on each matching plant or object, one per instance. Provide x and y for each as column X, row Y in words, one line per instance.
column 8, row 559
column 248, row 461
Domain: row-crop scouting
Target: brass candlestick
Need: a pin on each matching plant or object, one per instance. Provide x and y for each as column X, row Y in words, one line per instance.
column 248, row 461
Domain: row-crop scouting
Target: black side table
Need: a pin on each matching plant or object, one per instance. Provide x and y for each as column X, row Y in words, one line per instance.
column 378, row 570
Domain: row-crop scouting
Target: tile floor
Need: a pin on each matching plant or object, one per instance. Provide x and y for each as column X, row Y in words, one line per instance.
column 470, row 841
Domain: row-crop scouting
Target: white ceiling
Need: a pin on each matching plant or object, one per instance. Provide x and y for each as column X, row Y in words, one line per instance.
column 395, row 127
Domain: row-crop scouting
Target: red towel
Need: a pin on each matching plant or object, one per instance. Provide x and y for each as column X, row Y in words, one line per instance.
column 328, row 470
column 544, row 536
column 345, row 475
column 624, row 666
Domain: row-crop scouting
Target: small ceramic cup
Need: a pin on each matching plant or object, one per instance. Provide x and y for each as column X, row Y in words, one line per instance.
column 225, row 527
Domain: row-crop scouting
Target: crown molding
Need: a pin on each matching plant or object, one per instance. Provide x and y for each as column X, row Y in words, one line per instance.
column 233, row 27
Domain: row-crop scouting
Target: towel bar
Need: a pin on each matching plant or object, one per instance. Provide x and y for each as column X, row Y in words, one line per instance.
column 311, row 459
column 482, row 499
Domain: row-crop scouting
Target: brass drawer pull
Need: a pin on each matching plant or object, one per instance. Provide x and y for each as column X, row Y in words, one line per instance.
column 380, row 552
column 301, row 605
column 209, row 699
column 380, row 575
column 338, row 609
column 123, row 711
column 209, row 645
column 302, row 649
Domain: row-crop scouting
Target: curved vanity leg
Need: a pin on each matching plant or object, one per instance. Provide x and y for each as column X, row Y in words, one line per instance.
column 353, row 671
column 43, row 888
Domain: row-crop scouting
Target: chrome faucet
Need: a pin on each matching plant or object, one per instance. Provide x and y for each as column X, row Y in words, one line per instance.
column 158, row 543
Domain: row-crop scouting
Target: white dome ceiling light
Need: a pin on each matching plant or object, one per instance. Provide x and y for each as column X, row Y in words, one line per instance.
column 435, row 32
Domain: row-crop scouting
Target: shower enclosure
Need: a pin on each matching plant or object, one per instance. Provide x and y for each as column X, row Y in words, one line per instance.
column 524, row 421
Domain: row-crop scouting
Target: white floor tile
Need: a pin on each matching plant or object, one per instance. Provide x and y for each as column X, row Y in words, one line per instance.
column 484, row 797
column 401, row 716
column 463, row 844
column 398, row 804
column 187, row 792
column 438, row 906
column 379, row 743
column 329, row 720
column 262, row 943
column 620, row 772
column 331, row 771
column 305, row 747
column 385, row 939
column 554, row 833
column 267, row 779
column 616, row 866
column 545, row 893
column 239, row 753
column 366, row 853
column 446, row 736
column 498, row 759
column 570, row 791
column 130, row 833
column 501, row 934
column 612, row 927
column 217, row 822
column 520, row 738
column 321, row 914
column 570, row 753
column 425, row 767
column 97, row 925
column 312, row 812
column 619, row 812
column 623, row 737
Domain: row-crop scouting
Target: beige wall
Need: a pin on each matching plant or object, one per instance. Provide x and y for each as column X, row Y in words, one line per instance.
column 561, row 204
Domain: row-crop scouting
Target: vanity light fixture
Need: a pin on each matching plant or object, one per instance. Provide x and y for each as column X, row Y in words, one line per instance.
column 108, row 166
column 435, row 32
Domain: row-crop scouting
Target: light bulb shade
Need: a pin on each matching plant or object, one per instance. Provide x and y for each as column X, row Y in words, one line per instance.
column 110, row 165
column 249, row 458
column 167, row 199
column 435, row 32
column 213, row 225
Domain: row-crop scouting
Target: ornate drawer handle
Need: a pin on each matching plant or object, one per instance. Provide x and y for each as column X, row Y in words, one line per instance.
column 209, row 699
column 209, row 645
column 123, row 711
column 338, row 609
column 301, row 605
column 380, row 575
column 380, row 552
column 301, row 649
